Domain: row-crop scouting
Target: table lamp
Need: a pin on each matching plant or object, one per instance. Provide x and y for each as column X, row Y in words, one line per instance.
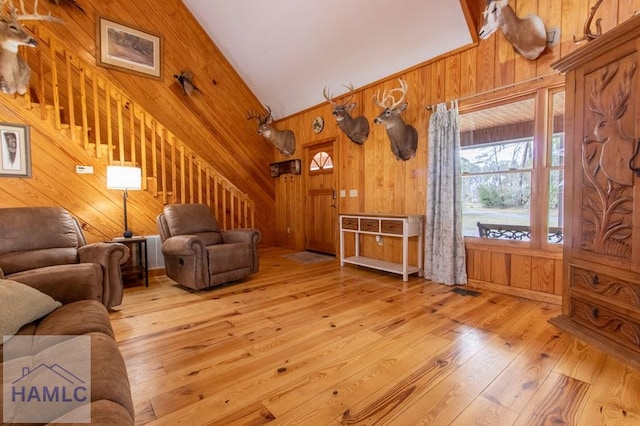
column 126, row 178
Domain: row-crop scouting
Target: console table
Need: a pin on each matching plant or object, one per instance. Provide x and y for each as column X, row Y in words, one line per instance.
column 398, row 226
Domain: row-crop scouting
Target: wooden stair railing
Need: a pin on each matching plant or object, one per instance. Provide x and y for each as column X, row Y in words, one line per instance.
column 108, row 123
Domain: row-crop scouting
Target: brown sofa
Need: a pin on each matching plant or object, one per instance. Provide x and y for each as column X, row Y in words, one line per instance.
column 45, row 247
column 198, row 254
column 110, row 397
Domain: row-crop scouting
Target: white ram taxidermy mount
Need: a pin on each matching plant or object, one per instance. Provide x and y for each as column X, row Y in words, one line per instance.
column 528, row 35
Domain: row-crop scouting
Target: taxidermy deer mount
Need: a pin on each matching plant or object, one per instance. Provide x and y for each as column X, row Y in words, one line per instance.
column 14, row 71
column 283, row 140
column 528, row 36
column 357, row 129
column 403, row 137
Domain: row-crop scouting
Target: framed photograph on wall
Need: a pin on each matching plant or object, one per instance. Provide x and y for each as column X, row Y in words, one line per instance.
column 130, row 49
column 15, row 150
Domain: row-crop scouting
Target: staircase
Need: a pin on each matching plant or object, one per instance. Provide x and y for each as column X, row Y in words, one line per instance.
column 90, row 111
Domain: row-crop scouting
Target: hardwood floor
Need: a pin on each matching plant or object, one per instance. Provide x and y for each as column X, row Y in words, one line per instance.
column 316, row 344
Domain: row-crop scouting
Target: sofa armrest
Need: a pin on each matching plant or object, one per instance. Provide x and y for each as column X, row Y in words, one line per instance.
column 249, row 236
column 183, row 245
column 110, row 256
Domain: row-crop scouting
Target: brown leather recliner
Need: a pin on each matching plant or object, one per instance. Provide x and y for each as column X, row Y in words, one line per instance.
column 44, row 247
column 197, row 254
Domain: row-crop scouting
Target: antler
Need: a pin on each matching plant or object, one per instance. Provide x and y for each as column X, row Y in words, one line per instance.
column 386, row 97
column 329, row 97
column 253, row 114
column 596, row 104
column 326, row 92
column 24, row 16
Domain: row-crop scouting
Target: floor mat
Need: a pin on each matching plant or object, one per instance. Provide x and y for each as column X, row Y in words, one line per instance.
column 308, row 257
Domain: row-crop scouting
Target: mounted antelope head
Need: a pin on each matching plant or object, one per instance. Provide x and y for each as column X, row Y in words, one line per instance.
column 357, row 129
column 14, row 71
column 283, row 140
column 528, row 36
column 403, row 137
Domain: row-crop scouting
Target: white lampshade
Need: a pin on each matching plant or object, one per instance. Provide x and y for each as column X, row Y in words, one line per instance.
column 124, row 177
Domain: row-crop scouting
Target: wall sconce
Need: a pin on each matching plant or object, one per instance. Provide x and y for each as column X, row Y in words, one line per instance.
column 124, row 177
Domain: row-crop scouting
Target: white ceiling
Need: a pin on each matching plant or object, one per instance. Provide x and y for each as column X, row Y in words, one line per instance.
column 288, row 50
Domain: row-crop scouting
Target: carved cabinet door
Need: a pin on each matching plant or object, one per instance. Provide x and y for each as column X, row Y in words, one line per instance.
column 606, row 201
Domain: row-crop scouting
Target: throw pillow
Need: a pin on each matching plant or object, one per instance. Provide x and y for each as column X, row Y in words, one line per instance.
column 21, row 305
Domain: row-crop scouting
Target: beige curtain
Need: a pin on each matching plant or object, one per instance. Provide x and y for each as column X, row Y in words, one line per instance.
column 444, row 244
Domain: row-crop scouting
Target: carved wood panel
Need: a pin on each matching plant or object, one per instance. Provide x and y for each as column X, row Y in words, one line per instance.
column 608, row 148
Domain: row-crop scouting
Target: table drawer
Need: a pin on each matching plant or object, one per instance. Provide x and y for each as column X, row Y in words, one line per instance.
column 613, row 289
column 391, row 226
column 369, row 225
column 606, row 322
column 349, row 223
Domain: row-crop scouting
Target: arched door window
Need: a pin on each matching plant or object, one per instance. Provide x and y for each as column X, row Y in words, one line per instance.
column 321, row 163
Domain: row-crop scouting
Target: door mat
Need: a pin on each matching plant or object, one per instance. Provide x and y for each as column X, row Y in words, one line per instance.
column 308, row 257
column 465, row 292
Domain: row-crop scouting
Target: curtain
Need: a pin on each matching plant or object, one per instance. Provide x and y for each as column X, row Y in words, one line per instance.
column 444, row 244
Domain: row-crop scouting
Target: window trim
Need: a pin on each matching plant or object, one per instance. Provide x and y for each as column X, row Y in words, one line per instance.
column 542, row 130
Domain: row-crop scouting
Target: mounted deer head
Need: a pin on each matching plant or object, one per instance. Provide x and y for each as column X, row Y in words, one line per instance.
column 403, row 137
column 528, row 36
column 283, row 140
column 357, row 129
column 14, row 71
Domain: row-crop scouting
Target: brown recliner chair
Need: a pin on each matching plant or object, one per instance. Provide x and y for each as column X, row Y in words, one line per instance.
column 197, row 254
column 44, row 247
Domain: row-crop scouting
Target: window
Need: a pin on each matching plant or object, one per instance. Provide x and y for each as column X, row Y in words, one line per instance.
column 321, row 161
column 510, row 164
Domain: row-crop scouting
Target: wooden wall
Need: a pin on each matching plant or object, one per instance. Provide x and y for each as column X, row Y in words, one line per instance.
column 213, row 123
column 385, row 185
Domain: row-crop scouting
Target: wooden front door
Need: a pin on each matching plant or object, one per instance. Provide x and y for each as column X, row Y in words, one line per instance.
column 321, row 199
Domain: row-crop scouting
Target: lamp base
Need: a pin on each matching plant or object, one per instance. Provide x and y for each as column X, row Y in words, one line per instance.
column 127, row 234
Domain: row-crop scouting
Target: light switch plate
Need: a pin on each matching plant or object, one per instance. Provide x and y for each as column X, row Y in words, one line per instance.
column 84, row 170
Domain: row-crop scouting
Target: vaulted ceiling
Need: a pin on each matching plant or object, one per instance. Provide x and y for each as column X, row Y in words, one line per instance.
column 287, row 51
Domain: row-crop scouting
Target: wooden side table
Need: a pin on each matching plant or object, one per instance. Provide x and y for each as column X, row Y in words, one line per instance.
column 137, row 266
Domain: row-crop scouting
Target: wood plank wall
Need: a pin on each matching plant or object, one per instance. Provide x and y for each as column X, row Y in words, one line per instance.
column 385, row 185
column 213, row 123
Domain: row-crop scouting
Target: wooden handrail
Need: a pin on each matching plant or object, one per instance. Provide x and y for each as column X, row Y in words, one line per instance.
column 105, row 119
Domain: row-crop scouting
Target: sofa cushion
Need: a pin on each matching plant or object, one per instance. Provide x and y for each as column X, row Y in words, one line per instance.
column 21, row 305
column 190, row 219
column 48, row 228
column 19, row 261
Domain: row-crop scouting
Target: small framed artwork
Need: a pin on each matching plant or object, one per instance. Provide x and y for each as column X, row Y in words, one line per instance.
column 130, row 49
column 15, row 150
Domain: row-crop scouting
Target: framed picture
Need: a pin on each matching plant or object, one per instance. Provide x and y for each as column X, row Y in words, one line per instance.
column 126, row 48
column 15, row 150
